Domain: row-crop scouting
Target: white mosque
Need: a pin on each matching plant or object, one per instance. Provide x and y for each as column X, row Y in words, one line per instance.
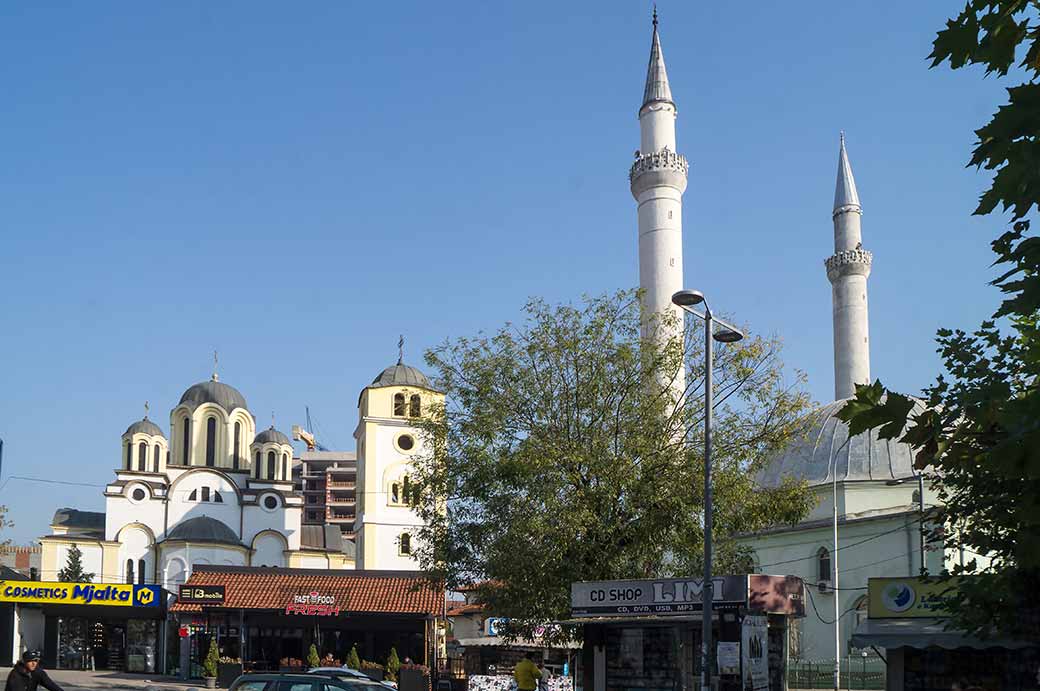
column 217, row 492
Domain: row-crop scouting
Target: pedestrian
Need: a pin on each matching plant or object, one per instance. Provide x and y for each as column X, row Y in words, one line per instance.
column 27, row 675
column 527, row 674
column 543, row 681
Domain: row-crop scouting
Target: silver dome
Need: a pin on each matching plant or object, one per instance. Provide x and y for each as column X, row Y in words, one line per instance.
column 402, row 375
column 204, row 529
column 144, row 426
column 271, row 435
column 227, row 397
column 823, row 438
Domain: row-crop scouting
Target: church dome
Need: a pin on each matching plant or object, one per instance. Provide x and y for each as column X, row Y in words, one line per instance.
column 271, row 435
column 227, row 397
column 204, row 529
column 144, row 426
column 402, row 375
column 866, row 457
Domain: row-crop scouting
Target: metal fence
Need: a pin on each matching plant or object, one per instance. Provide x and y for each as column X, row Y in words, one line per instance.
column 856, row 673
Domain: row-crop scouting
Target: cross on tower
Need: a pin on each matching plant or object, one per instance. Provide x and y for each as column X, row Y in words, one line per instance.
column 400, row 350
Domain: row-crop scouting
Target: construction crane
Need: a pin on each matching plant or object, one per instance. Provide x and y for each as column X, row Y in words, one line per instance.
column 307, row 437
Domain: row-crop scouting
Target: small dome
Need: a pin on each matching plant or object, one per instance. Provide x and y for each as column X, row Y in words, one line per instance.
column 227, row 397
column 402, row 375
column 204, row 529
column 271, row 435
column 865, row 457
column 144, row 426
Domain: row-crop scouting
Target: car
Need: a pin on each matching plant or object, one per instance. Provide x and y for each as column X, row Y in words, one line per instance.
column 303, row 682
column 348, row 673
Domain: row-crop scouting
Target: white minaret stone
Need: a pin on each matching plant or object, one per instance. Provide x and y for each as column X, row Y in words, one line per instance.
column 658, row 180
column 847, row 271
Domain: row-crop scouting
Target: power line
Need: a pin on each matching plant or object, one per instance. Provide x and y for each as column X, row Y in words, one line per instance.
column 48, row 482
column 854, row 544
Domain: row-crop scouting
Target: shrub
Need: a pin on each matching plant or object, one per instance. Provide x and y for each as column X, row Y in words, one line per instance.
column 209, row 665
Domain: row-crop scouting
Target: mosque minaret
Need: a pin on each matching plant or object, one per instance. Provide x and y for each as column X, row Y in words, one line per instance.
column 658, row 180
column 847, row 270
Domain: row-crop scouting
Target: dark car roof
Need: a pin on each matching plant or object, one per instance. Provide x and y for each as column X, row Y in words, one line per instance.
column 297, row 676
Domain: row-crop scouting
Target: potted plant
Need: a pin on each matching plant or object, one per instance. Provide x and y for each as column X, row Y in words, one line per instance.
column 353, row 661
column 393, row 664
column 413, row 677
column 372, row 670
column 229, row 669
column 209, row 665
column 312, row 657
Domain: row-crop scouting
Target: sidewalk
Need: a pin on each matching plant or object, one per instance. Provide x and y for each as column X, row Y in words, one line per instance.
column 81, row 681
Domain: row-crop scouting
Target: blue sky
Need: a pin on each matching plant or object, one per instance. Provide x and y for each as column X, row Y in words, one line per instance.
column 297, row 184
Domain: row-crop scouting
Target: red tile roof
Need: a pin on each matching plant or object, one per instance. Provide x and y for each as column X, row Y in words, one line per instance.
column 375, row 592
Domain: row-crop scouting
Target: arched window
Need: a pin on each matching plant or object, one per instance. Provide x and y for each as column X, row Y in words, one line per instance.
column 399, row 404
column 194, row 496
column 205, row 494
column 155, row 459
column 140, row 571
column 285, row 466
column 395, row 493
column 270, row 465
column 406, row 491
column 142, row 457
column 211, row 441
column 129, row 456
column 823, row 562
column 414, row 405
column 256, row 465
column 861, row 610
column 234, row 453
column 217, row 498
column 129, row 570
column 185, row 439
column 406, row 544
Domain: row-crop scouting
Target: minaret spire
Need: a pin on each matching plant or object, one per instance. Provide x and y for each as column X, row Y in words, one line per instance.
column 656, row 88
column 847, row 270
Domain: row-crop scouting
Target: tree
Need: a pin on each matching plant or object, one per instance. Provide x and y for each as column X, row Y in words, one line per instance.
column 393, row 664
column 312, row 656
column 73, row 571
column 558, row 459
column 353, row 660
column 209, row 665
column 4, row 523
column 980, row 430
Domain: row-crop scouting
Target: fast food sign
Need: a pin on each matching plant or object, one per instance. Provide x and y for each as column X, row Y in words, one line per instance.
column 313, row 604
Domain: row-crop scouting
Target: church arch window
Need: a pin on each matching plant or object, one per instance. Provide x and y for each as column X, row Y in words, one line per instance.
column 185, row 440
column 285, row 466
column 211, row 441
column 205, row 494
column 256, row 465
column 129, row 570
column 270, row 465
column 217, row 498
column 129, row 456
column 138, row 494
column 155, row 459
column 823, row 564
column 142, row 456
column 399, row 404
column 140, row 571
column 194, row 496
column 395, row 493
column 404, row 545
column 237, row 447
column 414, row 405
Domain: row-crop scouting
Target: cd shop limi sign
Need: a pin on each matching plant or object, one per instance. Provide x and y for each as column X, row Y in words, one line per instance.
column 660, row 596
column 201, row 594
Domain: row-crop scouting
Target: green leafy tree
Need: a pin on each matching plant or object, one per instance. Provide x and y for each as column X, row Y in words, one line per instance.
column 393, row 664
column 312, row 656
column 5, row 523
column 558, row 458
column 73, row 571
column 353, row 660
column 209, row 665
column 980, row 430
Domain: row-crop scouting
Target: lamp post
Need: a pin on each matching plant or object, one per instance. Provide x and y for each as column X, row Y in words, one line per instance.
column 920, row 509
column 686, row 299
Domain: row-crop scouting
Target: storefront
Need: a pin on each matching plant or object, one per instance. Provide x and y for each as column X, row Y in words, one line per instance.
column 645, row 635
column 92, row 625
column 906, row 617
column 267, row 618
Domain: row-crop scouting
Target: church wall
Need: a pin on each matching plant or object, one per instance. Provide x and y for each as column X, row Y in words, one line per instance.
column 257, row 519
column 382, row 548
column 182, row 507
column 179, row 555
column 122, row 510
column 56, row 555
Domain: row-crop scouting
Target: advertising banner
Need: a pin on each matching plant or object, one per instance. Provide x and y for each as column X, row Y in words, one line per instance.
column 313, row 604
column 660, row 596
column 907, row 598
column 201, row 594
column 53, row 593
column 754, row 649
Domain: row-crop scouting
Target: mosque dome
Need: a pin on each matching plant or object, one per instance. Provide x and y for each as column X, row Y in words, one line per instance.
column 866, row 457
column 204, row 529
column 213, row 391
column 271, row 435
column 402, row 375
column 144, row 426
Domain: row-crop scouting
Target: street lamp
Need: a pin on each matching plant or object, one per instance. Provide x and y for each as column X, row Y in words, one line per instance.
column 920, row 508
column 727, row 333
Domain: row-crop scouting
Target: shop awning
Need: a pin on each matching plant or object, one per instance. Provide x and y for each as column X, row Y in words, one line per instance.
column 499, row 642
column 921, row 633
column 360, row 592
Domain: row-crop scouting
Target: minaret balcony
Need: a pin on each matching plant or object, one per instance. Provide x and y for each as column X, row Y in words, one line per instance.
column 855, row 262
column 658, row 168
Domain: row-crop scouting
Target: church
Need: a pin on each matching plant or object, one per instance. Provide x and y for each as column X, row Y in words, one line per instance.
column 218, row 492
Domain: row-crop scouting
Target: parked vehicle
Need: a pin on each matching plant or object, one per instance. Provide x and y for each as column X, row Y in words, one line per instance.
column 312, row 681
column 348, row 673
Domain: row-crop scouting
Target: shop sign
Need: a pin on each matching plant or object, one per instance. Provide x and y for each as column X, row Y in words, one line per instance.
column 54, row 593
column 655, row 597
column 754, row 644
column 493, row 626
column 201, row 594
column 908, row 598
column 728, row 657
column 314, row 604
